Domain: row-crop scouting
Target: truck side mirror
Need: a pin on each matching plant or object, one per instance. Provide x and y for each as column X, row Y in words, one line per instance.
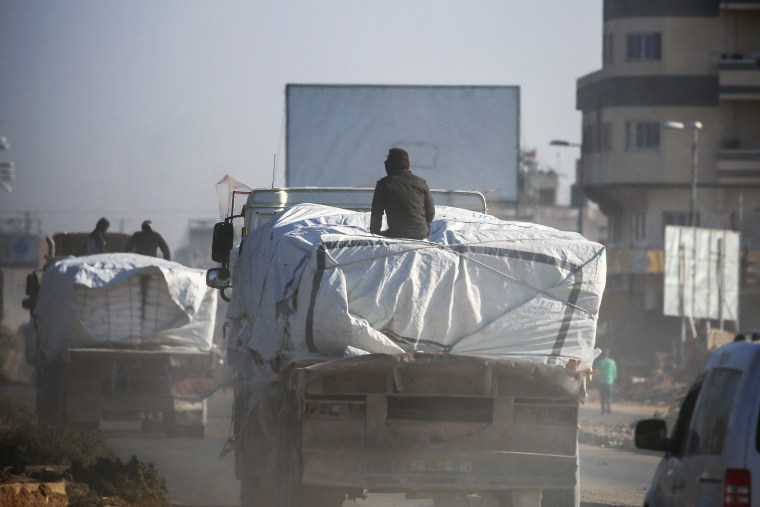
column 222, row 243
column 218, row 278
column 651, row 435
column 32, row 285
column 32, row 291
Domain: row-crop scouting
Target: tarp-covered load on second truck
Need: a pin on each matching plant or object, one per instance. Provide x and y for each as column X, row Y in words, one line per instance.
column 123, row 300
column 122, row 337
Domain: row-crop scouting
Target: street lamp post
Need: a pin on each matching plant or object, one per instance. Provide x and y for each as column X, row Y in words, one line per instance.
column 578, row 180
column 695, row 127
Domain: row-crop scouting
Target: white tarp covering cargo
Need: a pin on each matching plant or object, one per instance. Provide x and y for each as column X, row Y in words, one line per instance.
column 314, row 280
column 123, row 300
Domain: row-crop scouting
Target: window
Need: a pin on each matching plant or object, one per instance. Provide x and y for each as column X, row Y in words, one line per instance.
column 646, row 46
column 615, row 227
column 675, row 218
column 587, row 139
column 679, row 218
column 757, row 437
column 642, row 135
column 597, row 137
column 607, row 48
column 680, row 433
column 638, row 226
column 710, row 422
column 607, row 136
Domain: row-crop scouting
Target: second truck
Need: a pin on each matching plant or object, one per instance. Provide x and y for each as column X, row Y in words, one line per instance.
column 120, row 340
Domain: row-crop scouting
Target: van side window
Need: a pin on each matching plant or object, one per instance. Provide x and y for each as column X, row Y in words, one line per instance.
column 757, row 437
column 680, row 433
column 710, row 422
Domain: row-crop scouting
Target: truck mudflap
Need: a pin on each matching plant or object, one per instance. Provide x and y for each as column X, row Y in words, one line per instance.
column 429, row 470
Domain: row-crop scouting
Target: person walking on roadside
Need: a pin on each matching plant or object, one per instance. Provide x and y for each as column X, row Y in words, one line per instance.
column 404, row 198
column 606, row 377
column 96, row 241
column 148, row 242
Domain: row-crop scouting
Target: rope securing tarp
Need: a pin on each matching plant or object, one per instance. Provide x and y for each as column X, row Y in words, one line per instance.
column 314, row 280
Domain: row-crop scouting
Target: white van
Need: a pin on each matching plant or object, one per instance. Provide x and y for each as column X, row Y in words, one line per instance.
column 712, row 457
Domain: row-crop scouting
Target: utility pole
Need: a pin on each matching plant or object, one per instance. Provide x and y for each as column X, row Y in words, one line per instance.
column 578, row 179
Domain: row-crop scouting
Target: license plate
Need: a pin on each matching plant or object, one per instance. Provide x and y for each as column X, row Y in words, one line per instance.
column 192, row 386
column 440, row 465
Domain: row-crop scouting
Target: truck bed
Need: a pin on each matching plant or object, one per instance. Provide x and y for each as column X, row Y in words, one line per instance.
column 430, row 422
column 91, row 385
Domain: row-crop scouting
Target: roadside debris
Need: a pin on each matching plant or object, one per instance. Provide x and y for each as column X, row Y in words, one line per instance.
column 662, row 394
column 52, row 465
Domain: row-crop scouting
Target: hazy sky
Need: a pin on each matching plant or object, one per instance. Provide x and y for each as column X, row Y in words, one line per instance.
column 135, row 109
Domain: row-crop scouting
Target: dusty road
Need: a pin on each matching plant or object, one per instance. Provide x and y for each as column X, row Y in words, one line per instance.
column 194, row 473
column 196, row 477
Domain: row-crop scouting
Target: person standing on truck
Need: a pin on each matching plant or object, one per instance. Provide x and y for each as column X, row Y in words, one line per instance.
column 148, row 242
column 607, row 376
column 96, row 241
column 404, row 198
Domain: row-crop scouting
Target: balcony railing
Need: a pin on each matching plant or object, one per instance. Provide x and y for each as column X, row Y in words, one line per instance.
column 738, row 163
column 740, row 4
column 739, row 76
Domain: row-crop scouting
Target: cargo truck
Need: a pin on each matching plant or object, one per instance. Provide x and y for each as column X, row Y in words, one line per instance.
column 450, row 369
column 120, row 340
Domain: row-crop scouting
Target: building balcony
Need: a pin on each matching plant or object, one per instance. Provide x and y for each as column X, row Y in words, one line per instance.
column 738, row 163
column 739, row 76
column 740, row 5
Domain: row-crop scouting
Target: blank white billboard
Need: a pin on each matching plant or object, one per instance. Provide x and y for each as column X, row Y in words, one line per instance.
column 458, row 137
column 702, row 273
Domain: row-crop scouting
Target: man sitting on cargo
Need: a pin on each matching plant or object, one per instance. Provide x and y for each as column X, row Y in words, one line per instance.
column 404, row 198
column 96, row 241
column 148, row 242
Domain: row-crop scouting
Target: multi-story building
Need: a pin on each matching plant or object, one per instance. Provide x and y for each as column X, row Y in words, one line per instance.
column 538, row 202
column 696, row 62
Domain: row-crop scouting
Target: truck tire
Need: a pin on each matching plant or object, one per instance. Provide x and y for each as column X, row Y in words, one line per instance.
column 497, row 499
column 255, row 494
column 515, row 499
column 558, row 498
column 313, row 496
column 173, row 429
column 170, row 424
column 195, row 431
column 51, row 393
column 290, row 483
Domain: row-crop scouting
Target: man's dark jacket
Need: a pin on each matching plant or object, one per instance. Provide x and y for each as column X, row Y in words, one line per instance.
column 406, row 201
column 147, row 243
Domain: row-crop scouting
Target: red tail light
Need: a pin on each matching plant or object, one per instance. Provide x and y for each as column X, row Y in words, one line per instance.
column 736, row 492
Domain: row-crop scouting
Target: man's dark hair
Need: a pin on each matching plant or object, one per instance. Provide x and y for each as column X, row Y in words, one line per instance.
column 397, row 160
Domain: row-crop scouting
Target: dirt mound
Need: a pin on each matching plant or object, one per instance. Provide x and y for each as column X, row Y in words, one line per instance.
column 55, row 465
